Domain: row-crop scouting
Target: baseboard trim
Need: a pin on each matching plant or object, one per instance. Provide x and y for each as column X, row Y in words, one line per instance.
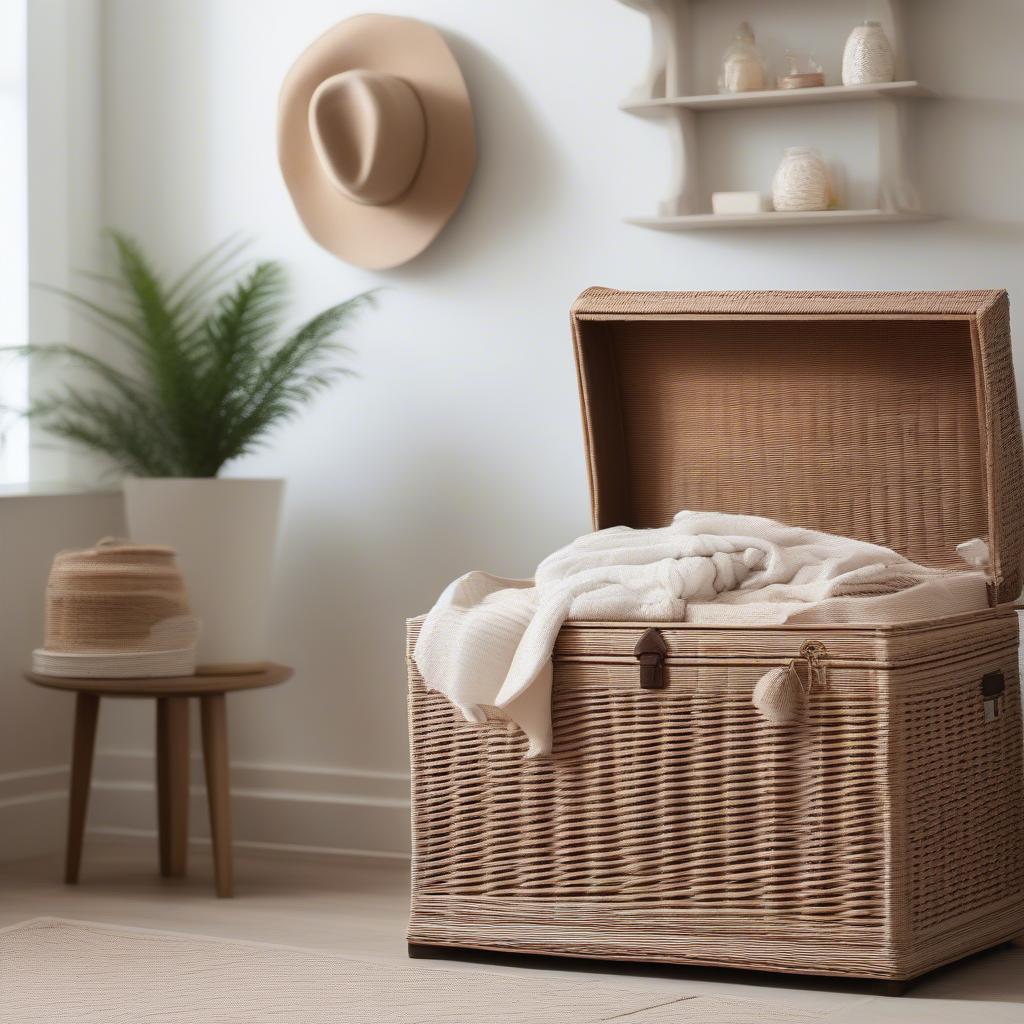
column 294, row 808
column 33, row 804
column 285, row 849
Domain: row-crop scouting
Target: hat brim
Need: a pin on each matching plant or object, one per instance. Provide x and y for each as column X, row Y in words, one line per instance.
column 378, row 237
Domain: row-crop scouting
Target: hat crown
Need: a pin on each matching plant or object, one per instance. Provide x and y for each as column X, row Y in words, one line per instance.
column 369, row 132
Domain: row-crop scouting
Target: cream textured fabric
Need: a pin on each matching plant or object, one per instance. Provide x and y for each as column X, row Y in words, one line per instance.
column 488, row 642
column 79, row 973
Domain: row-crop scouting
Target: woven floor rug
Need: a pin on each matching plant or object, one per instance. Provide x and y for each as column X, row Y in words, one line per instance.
column 76, row 972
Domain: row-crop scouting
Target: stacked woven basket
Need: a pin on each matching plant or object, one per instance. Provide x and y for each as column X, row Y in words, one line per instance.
column 117, row 610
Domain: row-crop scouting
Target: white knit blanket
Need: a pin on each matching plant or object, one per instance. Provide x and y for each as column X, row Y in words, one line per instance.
column 488, row 641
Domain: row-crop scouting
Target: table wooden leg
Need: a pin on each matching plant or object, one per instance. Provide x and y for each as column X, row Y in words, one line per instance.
column 172, row 783
column 162, row 797
column 87, row 709
column 213, row 708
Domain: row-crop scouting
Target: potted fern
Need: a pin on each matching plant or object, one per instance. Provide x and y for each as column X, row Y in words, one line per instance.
column 202, row 375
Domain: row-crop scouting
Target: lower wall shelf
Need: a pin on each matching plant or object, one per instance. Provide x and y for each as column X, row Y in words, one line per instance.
column 823, row 218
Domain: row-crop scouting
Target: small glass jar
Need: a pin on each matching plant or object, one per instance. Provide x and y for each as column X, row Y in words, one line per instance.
column 802, row 72
column 743, row 67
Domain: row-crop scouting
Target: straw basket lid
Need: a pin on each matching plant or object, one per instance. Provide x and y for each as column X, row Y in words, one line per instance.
column 118, row 600
column 890, row 417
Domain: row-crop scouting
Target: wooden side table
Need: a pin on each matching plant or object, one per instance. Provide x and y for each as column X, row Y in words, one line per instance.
column 172, row 758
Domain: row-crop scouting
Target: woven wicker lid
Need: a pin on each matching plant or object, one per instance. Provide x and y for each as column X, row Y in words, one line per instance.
column 117, row 598
column 886, row 416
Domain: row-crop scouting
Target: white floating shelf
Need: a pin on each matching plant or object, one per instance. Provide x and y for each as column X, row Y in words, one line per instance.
column 775, row 97
column 823, row 218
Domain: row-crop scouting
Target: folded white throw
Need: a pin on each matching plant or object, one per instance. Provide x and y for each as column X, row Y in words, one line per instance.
column 488, row 641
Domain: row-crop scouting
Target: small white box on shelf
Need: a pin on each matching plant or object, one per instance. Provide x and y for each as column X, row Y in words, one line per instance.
column 739, row 202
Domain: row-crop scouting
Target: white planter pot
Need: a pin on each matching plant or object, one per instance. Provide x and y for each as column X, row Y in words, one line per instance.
column 224, row 532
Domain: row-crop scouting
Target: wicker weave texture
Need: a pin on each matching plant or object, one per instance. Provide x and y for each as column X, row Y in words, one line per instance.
column 676, row 825
column 117, row 597
column 891, row 418
column 875, row 646
column 859, row 645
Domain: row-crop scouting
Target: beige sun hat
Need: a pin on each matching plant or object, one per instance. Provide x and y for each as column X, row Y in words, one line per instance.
column 375, row 138
column 117, row 610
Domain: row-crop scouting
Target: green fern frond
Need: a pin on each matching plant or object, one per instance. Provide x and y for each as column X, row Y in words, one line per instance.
column 202, row 378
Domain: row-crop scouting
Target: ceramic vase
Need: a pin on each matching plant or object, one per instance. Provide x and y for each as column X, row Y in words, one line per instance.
column 868, row 57
column 802, row 182
column 224, row 531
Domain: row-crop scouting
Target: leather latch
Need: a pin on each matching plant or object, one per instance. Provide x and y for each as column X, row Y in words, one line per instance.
column 650, row 651
column 993, row 686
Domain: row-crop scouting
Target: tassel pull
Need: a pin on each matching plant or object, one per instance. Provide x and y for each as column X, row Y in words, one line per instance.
column 781, row 695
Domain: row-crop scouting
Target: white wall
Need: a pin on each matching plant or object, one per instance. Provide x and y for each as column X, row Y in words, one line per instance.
column 460, row 445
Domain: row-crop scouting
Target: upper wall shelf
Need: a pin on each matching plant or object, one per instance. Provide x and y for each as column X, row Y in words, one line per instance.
column 774, row 98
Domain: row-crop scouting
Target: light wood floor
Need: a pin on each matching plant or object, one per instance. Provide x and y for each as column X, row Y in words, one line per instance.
column 359, row 908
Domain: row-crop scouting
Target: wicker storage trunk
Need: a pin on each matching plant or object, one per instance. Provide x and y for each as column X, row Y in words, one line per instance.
column 881, row 837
